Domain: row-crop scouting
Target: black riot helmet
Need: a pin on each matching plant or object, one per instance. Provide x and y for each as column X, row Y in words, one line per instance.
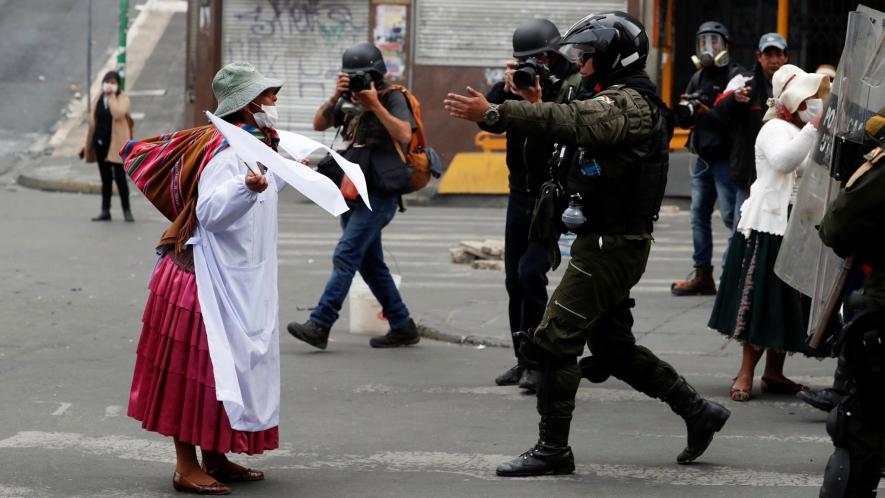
column 535, row 37
column 711, row 45
column 616, row 41
column 364, row 57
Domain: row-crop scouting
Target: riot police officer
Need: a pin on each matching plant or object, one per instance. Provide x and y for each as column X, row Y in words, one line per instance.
column 853, row 225
column 539, row 74
column 622, row 130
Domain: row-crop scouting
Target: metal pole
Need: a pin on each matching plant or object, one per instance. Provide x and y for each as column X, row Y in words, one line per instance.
column 89, row 55
column 121, row 54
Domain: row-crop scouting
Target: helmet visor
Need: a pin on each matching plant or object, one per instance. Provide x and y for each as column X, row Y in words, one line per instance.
column 710, row 43
column 577, row 53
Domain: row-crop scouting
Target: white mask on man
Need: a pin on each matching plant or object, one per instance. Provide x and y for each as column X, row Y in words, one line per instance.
column 109, row 87
column 268, row 116
column 813, row 107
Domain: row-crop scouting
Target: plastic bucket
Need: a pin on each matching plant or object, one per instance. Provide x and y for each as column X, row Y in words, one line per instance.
column 366, row 317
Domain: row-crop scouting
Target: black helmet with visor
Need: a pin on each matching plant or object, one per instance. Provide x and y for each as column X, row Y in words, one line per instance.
column 616, row 41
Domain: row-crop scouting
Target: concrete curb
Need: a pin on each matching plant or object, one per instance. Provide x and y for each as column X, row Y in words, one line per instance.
column 466, row 340
column 70, row 186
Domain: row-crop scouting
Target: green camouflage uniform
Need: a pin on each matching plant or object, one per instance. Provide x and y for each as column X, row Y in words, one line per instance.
column 592, row 302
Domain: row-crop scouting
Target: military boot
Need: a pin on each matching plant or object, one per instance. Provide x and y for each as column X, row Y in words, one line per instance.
column 700, row 283
column 702, row 418
column 822, row 399
column 551, row 455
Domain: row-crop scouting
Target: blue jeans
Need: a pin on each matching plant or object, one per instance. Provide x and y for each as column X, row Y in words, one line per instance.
column 709, row 181
column 359, row 248
column 740, row 196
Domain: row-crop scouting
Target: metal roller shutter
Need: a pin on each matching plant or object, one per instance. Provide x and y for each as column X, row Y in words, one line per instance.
column 471, row 33
column 301, row 43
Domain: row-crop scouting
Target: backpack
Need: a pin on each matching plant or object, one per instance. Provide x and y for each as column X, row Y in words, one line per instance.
column 423, row 160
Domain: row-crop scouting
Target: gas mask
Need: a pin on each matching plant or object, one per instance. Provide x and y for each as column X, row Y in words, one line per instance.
column 711, row 50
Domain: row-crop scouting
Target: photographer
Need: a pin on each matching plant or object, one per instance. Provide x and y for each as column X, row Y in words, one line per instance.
column 621, row 129
column 710, row 178
column 372, row 117
column 539, row 74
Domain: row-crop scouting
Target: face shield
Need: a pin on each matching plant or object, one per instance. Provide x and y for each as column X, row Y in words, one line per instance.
column 710, row 49
column 577, row 53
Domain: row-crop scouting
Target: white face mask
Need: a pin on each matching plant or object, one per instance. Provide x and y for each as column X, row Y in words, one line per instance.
column 813, row 107
column 268, row 116
column 109, row 87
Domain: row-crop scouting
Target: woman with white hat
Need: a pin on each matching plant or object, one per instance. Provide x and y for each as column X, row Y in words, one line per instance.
column 207, row 365
column 754, row 306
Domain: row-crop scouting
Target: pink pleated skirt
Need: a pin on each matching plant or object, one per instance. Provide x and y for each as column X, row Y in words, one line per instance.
column 173, row 387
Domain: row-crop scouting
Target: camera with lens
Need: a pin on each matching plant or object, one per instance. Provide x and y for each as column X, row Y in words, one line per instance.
column 359, row 81
column 524, row 76
column 689, row 104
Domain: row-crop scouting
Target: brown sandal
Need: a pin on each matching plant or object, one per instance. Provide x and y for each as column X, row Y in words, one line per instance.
column 181, row 484
column 243, row 475
column 740, row 394
column 780, row 387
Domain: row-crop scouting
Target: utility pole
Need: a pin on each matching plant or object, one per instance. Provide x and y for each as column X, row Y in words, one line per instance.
column 121, row 54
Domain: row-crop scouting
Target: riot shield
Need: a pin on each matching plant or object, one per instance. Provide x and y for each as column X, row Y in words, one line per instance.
column 804, row 262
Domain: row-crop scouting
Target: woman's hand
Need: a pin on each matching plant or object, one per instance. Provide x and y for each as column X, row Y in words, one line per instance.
column 255, row 182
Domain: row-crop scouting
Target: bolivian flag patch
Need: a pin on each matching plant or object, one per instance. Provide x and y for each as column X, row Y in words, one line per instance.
column 605, row 99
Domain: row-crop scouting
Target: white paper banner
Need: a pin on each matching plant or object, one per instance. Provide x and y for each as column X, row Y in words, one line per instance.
column 301, row 146
column 313, row 185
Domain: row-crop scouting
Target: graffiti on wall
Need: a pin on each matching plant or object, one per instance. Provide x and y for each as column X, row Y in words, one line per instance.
column 298, row 41
column 390, row 37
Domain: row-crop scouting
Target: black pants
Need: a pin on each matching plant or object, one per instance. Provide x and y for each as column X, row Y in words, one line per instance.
column 110, row 173
column 525, row 266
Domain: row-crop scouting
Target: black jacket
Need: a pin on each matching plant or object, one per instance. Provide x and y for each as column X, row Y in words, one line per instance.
column 709, row 134
column 527, row 155
column 745, row 121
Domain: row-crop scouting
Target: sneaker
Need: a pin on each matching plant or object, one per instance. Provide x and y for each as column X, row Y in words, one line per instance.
column 310, row 332
column 395, row 338
column 529, row 380
column 510, row 377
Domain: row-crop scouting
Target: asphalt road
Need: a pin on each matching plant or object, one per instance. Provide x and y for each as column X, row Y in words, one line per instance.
column 422, row 421
column 44, row 53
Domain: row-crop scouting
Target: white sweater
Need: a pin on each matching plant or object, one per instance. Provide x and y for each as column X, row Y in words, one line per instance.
column 781, row 147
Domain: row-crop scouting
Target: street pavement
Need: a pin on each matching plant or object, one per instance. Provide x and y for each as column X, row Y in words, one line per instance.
column 358, row 422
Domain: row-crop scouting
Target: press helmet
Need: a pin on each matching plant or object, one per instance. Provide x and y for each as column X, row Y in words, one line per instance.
column 535, row 37
column 616, row 41
column 711, row 45
column 364, row 57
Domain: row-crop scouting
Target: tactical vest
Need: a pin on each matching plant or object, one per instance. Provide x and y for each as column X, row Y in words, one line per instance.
column 626, row 196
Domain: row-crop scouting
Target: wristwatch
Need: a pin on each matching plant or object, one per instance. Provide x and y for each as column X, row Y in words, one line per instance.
column 491, row 116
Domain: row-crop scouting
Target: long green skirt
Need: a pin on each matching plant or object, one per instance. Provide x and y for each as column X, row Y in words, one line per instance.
column 753, row 305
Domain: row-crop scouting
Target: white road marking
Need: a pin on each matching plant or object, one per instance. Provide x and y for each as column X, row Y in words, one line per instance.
column 113, row 411
column 476, row 465
column 63, row 407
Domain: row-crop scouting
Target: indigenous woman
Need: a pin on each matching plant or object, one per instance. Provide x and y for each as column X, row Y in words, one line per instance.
column 110, row 127
column 753, row 305
column 207, row 368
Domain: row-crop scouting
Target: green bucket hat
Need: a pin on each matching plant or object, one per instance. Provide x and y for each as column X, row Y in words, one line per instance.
column 237, row 84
